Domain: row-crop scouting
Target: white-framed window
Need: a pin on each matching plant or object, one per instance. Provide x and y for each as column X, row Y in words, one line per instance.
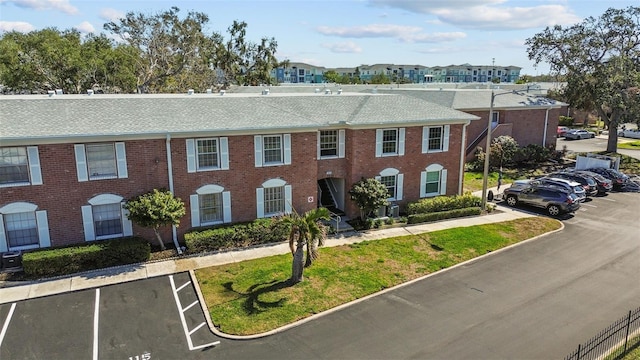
column 207, row 154
column 273, row 198
column 23, row 227
column 331, row 144
column 105, row 218
column 435, row 138
column 272, row 150
column 433, row 181
column 393, row 181
column 20, row 166
column 101, row 161
column 210, row 205
column 390, row 142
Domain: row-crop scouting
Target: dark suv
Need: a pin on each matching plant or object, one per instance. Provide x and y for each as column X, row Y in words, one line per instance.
column 555, row 200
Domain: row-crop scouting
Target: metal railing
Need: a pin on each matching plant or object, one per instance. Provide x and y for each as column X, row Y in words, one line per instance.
column 614, row 341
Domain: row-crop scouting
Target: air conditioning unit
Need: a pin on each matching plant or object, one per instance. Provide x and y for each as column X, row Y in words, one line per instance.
column 394, row 211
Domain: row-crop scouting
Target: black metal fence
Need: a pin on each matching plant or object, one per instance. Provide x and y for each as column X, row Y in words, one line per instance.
column 614, row 341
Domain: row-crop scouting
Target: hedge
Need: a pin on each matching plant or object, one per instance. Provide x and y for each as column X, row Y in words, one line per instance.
column 443, row 203
column 95, row 255
column 261, row 231
column 441, row 215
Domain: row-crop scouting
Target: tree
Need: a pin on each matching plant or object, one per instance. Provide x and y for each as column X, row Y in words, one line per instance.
column 331, row 76
column 600, row 59
column 380, row 79
column 154, row 209
column 369, row 195
column 167, row 45
column 306, row 231
column 503, row 149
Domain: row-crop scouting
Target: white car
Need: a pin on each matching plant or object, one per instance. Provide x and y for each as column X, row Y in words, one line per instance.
column 629, row 133
column 579, row 134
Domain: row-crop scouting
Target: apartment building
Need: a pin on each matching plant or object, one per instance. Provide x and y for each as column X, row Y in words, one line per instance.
column 68, row 162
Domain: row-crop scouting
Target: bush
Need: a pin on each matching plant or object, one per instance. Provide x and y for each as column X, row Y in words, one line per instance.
column 443, row 203
column 261, row 231
column 426, row 217
column 96, row 255
column 565, row 121
column 532, row 154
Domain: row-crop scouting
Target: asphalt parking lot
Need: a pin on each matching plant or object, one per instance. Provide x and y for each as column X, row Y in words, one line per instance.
column 159, row 318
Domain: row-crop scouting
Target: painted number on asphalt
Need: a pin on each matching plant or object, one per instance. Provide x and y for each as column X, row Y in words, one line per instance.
column 145, row 356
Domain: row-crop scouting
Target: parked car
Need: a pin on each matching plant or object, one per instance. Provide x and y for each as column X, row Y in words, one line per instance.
column 555, row 200
column 588, row 184
column 604, row 185
column 618, row 178
column 569, row 185
column 562, row 130
column 630, row 133
column 576, row 134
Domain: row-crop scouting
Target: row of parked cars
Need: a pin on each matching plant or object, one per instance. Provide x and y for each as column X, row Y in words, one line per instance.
column 574, row 134
column 563, row 192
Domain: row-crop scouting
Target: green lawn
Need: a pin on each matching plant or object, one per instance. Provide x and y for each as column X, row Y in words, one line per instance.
column 631, row 145
column 254, row 296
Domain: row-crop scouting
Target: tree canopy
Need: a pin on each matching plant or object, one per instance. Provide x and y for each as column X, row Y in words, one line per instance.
column 600, row 59
column 369, row 195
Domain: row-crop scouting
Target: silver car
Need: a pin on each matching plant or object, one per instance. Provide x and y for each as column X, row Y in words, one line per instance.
column 579, row 134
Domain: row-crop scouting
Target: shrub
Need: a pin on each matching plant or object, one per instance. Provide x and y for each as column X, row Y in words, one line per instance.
column 532, row 154
column 96, row 255
column 443, row 203
column 565, row 121
column 426, row 217
column 261, row 231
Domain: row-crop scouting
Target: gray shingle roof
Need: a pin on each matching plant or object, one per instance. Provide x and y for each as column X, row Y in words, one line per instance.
column 40, row 118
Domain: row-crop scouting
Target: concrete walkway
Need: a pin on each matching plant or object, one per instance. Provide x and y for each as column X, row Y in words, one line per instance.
column 10, row 292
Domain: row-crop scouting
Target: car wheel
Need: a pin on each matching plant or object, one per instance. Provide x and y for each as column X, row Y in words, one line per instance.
column 553, row 210
column 512, row 200
column 593, row 135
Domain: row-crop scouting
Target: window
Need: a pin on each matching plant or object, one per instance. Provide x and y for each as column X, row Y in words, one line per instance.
column 390, row 183
column 435, row 138
column 20, row 166
column 101, row 161
column 273, row 198
column 207, row 154
column 105, row 218
column 390, row 142
column 22, row 227
column 433, row 181
column 272, row 150
column 392, row 180
column 210, row 205
column 331, row 143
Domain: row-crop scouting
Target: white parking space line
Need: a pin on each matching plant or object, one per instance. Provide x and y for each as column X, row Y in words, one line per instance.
column 6, row 322
column 604, row 198
column 181, row 312
column 589, row 205
column 96, row 312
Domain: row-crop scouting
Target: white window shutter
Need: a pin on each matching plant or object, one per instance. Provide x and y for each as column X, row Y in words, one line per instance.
column 226, row 206
column 34, row 165
column 401, row 134
column 191, row 155
column 425, row 139
column 195, row 210
column 43, row 228
column 445, row 138
column 318, row 146
column 288, row 203
column 378, row 177
column 81, row 163
column 378, row 142
column 224, row 153
column 341, row 143
column 87, row 222
column 121, row 158
column 399, row 180
column 423, row 184
column 4, row 247
column 287, row 149
column 259, row 203
column 127, row 225
column 257, row 143
column 443, row 182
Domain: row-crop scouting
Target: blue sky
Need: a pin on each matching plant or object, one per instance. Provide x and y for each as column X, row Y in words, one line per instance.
column 347, row 33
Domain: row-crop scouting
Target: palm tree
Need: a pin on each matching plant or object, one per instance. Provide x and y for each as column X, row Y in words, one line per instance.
column 306, row 230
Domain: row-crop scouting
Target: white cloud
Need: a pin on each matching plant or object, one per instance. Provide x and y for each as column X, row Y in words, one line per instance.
column 109, row 14
column 60, row 5
column 368, row 31
column 85, row 27
column 427, row 7
column 434, row 37
column 19, row 26
column 347, row 47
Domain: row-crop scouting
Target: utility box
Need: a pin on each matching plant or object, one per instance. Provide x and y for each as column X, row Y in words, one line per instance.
column 12, row 260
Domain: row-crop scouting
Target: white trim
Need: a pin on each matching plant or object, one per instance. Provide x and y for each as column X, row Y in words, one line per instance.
column 434, row 167
column 378, row 142
column 81, row 162
column 87, row 223
column 318, row 137
column 195, row 210
column 273, row 183
column 224, row 153
column 121, row 160
column 3, row 237
column 389, row 172
column 259, row 203
column 18, row 207
column 127, row 225
column 191, row 155
column 286, row 140
column 288, row 202
column 209, row 189
column 257, row 145
column 401, row 136
column 105, row 199
column 34, row 165
column 226, row 206
column 399, row 186
column 42, row 225
column 445, row 138
column 341, row 143
column 443, row 182
column 425, row 139
column 423, row 184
